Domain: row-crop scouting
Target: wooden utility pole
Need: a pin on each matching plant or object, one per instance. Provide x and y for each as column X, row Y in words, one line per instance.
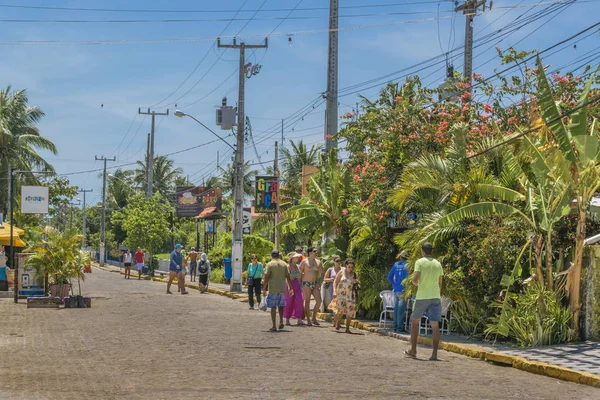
column 331, row 96
column 278, row 180
column 84, row 191
column 245, row 71
column 103, row 222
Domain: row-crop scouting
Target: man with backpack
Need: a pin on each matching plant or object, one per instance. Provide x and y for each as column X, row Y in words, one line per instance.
column 203, row 273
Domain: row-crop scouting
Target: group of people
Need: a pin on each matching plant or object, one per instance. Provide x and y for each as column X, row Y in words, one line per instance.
column 195, row 263
column 289, row 287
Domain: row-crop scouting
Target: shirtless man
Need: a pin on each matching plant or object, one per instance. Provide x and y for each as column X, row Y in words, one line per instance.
column 311, row 279
column 193, row 256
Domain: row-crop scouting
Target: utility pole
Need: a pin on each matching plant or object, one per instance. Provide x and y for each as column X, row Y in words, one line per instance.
column 331, row 96
column 150, row 164
column 238, row 210
column 84, row 191
column 103, row 223
column 147, row 159
column 282, row 138
column 469, row 9
column 276, row 169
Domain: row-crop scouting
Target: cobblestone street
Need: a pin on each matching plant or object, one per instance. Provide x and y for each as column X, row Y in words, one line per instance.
column 137, row 342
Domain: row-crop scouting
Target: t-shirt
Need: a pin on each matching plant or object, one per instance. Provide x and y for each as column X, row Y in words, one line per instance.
column 277, row 271
column 397, row 274
column 255, row 272
column 127, row 257
column 429, row 282
column 3, row 276
column 139, row 257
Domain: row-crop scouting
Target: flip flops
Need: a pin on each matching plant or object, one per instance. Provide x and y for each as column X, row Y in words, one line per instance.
column 409, row 354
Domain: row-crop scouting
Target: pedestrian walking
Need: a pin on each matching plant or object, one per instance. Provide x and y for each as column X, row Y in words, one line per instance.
column 311, row 278
column 330, row 274
column 255, row 273
column 397, row 275
column 193, row 256
column 294, row 302
column 428, row 279
column 139, row 261
column 127, row 260
column 203, row 273
column 176, row 269
column 344, row 295
column 276, row 274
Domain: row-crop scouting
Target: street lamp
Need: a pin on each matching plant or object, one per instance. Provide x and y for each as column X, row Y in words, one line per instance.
column 181, row 114
column 238, row 194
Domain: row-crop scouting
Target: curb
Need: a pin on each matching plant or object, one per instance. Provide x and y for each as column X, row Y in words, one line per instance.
column 523, row 364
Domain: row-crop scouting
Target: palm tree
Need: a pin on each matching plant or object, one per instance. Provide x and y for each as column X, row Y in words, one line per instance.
column 323, row 210
column 228, row 179
column 164, row 176
column 121, row 187
column 20, row 138
column 294, row 159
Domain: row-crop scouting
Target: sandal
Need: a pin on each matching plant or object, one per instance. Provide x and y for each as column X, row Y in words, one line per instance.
column 309, row 323
column 409, row 354
column 273, row 330
column 315, row 322
column 281, row 326
column 300, row 323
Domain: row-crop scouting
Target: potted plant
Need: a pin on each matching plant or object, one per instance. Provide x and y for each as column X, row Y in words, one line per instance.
column 55, row 256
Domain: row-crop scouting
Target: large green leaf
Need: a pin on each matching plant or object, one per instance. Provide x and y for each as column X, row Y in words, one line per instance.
column 483, row 209
column 587, row 147
column 552, row 115
column 578, row 126
column 498, row 192
column 538, row 163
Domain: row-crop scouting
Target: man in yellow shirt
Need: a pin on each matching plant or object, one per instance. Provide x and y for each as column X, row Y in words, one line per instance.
column 428, row 279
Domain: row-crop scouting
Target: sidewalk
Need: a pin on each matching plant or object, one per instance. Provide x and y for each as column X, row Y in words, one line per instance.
column 577, row 362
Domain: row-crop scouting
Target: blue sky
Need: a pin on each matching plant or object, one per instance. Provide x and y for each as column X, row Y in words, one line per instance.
column 70, row 80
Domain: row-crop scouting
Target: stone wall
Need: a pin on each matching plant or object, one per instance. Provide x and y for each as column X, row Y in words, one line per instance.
column 590, row 299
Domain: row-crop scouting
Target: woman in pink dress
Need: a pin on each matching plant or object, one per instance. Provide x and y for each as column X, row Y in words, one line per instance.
column 294, row 305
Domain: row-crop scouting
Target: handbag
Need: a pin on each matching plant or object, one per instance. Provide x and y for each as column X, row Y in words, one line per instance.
column 250, row 280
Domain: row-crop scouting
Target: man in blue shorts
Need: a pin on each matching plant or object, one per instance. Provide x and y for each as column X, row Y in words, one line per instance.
column 428, row 279
column 276, row 273
column 176, row 269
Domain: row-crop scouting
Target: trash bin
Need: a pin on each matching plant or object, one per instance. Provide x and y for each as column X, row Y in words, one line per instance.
column 227, row 266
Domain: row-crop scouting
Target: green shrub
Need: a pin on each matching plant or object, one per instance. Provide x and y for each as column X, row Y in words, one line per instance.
column 162, row 256
column 217, row 275
column 252, row 245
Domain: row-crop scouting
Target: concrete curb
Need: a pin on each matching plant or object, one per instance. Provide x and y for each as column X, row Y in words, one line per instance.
column 523, row 364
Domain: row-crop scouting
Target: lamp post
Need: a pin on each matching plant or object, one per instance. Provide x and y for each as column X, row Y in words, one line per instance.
column 238, row 194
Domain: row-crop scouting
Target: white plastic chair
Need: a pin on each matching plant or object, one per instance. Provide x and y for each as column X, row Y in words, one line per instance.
column 388, row 299
column 446, row 316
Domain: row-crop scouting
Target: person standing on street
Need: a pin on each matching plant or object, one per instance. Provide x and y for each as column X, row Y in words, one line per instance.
column 310, row 280
column 327, row 292
column 344, row 295
column 255, row 273
column 294, row 303
column 4, row 272
column 428, row 279
column 397, row 274
column 276, row 274
column 127, row 260
column 176, row 269
column 193, row 256
column 203, row 273
column 139, row 261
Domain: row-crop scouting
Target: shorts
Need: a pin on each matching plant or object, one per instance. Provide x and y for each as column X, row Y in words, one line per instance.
column 203, row 279
column 193, row 265
column 430, row 308
column 140, row 266
column 276, row 300
column 127, row 265
column 173, row 269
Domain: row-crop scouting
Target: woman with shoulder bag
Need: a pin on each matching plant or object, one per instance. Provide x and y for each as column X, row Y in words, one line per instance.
column 255, row 273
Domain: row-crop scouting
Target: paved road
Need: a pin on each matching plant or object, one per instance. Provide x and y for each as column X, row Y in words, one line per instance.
column 139, row 343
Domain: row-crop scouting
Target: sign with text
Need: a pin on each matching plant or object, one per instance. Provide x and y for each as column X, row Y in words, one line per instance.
column 191, row 201
column 266, row 194
column 247, row 221
column 34, row 199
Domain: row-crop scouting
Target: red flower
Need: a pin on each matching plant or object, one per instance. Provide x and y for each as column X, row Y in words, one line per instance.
column 487, row 260
column 488, row 109
column 345, row 211
column 356, row 177
column 328, row 136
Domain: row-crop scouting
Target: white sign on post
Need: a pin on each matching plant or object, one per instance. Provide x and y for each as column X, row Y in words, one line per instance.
column 34, row 199
column 246, row 220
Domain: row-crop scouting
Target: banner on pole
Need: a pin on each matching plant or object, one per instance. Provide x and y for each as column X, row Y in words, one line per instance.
column 307, row 172
column 266, row 194
column 34, row 200
column 247, row 221
column 191, row 201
